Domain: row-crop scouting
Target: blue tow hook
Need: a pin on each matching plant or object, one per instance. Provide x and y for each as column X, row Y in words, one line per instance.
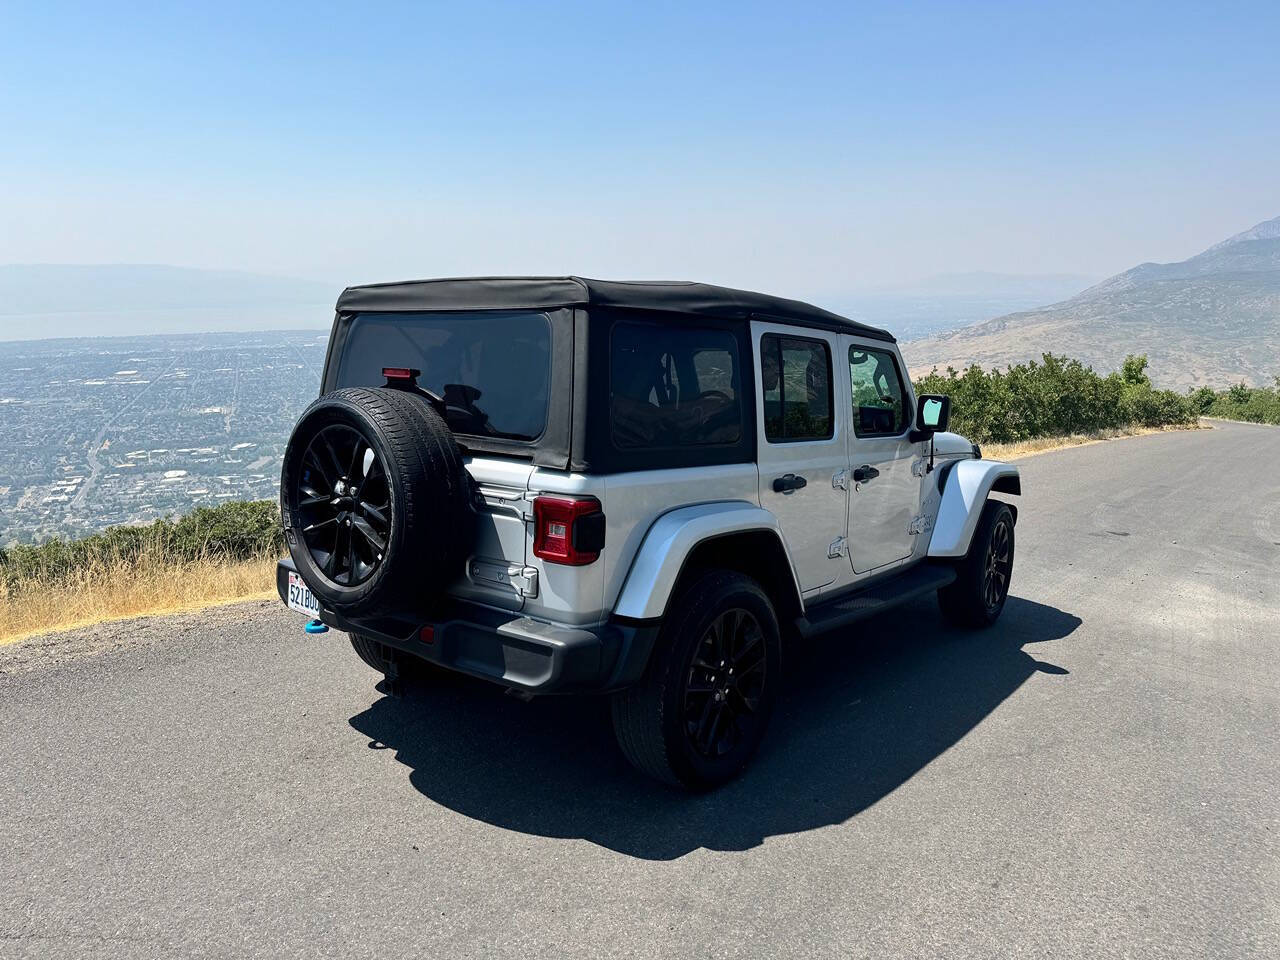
column 316, row 626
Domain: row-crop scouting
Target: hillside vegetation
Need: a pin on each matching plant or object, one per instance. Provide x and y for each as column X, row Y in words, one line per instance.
column 1055, row 397
column 212, row 555
column 1241, row 402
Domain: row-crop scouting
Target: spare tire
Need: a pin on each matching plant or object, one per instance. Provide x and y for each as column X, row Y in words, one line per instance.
column 375, row 501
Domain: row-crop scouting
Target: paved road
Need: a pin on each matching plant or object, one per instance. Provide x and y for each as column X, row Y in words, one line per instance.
column 1097, row 778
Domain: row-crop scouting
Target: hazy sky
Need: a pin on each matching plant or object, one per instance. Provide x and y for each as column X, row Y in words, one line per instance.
column 800, row 148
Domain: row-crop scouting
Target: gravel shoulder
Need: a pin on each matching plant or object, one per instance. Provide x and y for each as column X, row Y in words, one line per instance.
column 67, row 646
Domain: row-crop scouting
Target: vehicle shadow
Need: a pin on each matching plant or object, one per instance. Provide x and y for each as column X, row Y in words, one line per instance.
column 863, row 711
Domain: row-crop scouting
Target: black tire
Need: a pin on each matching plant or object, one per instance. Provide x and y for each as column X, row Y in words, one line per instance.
column 392, row 663
column 375, row 500
column 655, row 720
column 978, row 594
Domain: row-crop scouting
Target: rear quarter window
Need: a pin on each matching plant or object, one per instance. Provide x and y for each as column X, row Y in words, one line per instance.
column 674, row 387
column 493, row 369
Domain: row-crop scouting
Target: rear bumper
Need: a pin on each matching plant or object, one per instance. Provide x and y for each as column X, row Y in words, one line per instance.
column 518, row 652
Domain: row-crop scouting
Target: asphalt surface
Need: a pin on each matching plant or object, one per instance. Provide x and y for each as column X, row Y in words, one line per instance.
column 1099, row 776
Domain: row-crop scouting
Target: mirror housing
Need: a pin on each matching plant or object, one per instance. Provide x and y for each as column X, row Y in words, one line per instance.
column 933, row 415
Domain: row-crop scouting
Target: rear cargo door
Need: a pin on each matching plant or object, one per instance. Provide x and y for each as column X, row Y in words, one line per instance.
column 496, row 572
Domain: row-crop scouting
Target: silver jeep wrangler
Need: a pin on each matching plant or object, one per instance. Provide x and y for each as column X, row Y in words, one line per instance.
column 650, row 490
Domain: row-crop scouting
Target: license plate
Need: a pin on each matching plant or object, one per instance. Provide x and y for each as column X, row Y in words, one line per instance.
column 301, row 598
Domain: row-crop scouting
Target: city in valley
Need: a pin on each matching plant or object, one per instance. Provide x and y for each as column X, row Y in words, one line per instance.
column 97, row 432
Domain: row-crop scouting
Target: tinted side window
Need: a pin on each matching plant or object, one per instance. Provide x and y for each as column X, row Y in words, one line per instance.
column 673, row 386
column 796, row 375
column 879, row 399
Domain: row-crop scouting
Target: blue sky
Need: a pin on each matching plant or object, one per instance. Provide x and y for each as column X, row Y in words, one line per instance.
column 804, row 148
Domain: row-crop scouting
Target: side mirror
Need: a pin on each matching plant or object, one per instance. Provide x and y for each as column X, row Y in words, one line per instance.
column 933, row 414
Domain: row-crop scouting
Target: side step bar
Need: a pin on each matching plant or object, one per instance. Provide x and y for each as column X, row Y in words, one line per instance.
column 849, row 608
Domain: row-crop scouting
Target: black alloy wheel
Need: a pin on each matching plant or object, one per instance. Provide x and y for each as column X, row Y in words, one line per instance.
column 999, row 564
column 978, row 595
column 725, row 683
column 375, row 502
column 701, row 710
column 344, row 505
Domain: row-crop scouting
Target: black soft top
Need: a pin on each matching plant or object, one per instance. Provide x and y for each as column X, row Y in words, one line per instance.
column 675, row 297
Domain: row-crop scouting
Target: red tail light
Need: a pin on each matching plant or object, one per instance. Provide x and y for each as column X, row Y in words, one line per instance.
column 401, row 373
column 568, row 530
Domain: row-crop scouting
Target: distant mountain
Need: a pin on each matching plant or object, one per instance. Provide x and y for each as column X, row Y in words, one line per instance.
column 71, row 300
column 1212, row 319
column 947, row 301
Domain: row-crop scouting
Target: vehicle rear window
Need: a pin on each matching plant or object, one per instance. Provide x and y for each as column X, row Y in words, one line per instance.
column 674, row 386
column 493, row 369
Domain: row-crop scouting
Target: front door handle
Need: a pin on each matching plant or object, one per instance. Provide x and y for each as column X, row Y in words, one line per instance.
column 864, row 473
column 788, row 482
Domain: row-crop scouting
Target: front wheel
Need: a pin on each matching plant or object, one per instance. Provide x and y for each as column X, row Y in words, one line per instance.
column 981, row 587
column 700, row 712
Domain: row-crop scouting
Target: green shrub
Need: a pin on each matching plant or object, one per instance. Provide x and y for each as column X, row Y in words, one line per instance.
column 1241, row 402
column 229, row 531
column 1054, row 397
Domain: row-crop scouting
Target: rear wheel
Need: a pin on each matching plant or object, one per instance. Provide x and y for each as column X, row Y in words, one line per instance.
column 981, row 587
column 700, row 712
column 394, row 664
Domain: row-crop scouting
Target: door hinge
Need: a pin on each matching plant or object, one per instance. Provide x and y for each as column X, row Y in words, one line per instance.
column 840, row 481
column 918, row 526
column 525, row 580
column 919, row 467
column 839, row 548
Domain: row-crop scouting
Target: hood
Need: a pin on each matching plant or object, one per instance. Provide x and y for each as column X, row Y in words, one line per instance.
column 951, row 444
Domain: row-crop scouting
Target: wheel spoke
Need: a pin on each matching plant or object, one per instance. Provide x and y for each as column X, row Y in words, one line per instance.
column 333, row 555
column 717, row 638
column 333, row 454
column 312, row 459
column 707, row 710
column 373, row 513
column 356, row 457
column 749, row 704
column 370, row 536
column 351, row 555
column 716, row 716
column 733, row 632
column 753, row 642
column 319, row 525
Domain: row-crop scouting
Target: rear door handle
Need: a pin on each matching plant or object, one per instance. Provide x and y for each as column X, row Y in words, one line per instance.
column 788, row 482
column 864, row 473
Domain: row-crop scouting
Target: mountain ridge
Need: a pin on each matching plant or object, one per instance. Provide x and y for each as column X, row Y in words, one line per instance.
column 1206, row 320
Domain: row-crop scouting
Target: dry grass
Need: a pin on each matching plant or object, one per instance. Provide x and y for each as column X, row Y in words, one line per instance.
column 117, row 591
column 1029, row 448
